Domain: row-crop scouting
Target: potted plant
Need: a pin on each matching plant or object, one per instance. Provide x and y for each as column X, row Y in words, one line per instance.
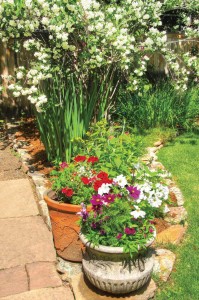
column 72, row 184
column 105, row 149
column 118, row 229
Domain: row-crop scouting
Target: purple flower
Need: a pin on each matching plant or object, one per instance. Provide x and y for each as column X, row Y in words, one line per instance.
column 83, row 213
column 102, row 232
column 119, row 236
column 93, row 225
column 151, row 230
column 109, row 198
column 133, row 192
column 64, row 165
column 97, row 200
column 130, row 231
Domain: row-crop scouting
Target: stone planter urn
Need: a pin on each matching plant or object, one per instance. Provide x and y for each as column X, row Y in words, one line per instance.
column 112, row 270
column 65, row 229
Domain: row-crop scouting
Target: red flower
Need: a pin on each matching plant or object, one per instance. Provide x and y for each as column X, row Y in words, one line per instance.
column 102, row 175
column 97, row 184
column 79, row 158
column 85, row 180
column 92, row 159
column 67, row 192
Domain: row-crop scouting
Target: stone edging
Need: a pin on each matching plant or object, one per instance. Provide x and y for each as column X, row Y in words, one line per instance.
column 164, row 258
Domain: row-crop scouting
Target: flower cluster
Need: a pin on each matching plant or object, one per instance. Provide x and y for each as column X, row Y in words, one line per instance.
column 78, row 180
column 123, row 209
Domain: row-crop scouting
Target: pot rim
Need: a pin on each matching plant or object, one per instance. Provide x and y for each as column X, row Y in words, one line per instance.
column 110, row 249
column 65, row 207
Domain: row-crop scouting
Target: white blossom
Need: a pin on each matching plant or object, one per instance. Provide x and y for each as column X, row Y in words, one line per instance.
column 138, row 213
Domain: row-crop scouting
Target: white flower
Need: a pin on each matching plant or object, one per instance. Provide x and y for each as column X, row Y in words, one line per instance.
column 19, row 75
column 138, row 213
column 120, row 180
column 11, row 86
column 86, row 3
column 155, row 202
column 104, row 189
column 16, row 94
column 166, row 209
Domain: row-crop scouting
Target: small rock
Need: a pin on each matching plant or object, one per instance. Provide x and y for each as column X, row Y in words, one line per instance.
column 25, row 167
column 69, row 268
column 157, row 144
column 176, row 192
column 157, row 166
column 65, row 277
column 152, row 149
column 40, row 190
column 173, row 234
column 163, row 265
column 176, row 215
column 45, row 213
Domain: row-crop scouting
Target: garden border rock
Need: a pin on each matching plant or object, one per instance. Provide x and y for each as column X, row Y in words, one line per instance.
column 164, row 259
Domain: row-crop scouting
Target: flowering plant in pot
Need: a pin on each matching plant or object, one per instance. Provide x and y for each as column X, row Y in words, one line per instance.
column 118, row 229
column 72, row 184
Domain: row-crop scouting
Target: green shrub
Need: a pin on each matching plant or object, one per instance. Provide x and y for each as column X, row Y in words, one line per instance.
column 159, row 106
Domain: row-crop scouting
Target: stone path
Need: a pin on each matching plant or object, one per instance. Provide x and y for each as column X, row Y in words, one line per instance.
column 27, row 254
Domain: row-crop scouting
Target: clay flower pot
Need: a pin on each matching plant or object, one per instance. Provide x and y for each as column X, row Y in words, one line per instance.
column 65, row 228
column 114, row 271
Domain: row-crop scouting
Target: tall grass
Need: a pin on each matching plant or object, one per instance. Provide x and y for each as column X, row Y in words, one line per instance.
column 160, row 106
column 72, row 105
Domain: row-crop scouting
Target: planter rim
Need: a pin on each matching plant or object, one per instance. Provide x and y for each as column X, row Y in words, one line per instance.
column 110, row 249
column 65, row 207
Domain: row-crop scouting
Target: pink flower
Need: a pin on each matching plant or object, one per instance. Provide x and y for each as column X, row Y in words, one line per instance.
column 130, row 231
column 119, row 236
column 64, row 165
column 133, row 192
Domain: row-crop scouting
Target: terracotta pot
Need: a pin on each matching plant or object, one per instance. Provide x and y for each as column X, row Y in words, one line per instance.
column 114, row 271
column 65, row 229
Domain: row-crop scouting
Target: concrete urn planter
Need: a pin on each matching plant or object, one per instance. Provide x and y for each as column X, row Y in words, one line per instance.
column 113, row 271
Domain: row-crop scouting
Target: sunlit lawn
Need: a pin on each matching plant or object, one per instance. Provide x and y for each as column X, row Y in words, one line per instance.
column 181, row 158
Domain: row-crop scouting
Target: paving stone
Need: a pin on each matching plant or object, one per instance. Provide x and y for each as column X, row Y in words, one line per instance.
column 173, row 234
column 60, row 293
column 43, row 275
column 83, row 290
column 13, row 281
column 163, row 265
column 25, row 240
column 176, row 215
column 16, row 199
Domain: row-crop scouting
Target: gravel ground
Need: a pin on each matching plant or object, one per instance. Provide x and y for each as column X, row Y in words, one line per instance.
column 10, row 166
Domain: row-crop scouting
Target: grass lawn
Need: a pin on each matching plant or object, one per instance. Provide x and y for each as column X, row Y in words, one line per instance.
column 181, row 158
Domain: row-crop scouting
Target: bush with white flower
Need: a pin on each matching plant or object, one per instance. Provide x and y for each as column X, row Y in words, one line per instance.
column 122, row 210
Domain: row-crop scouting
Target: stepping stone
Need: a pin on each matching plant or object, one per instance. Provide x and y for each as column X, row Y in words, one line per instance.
column 163, row 265
column 43, row 275
column 25, row 240
column 84, row 290
column 173, row 234
column 16, row 199
column 60, row 293
column 13, row 281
